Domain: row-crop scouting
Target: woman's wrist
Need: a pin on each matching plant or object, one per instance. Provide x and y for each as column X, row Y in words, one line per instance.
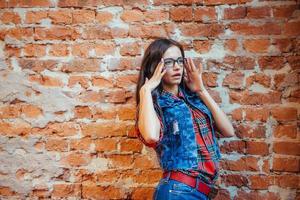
column 202, row 92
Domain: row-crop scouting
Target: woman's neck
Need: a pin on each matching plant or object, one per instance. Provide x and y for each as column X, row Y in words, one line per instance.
column 172, row 89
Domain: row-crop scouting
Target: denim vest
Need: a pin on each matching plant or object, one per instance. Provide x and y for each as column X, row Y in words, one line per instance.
column 178, row 147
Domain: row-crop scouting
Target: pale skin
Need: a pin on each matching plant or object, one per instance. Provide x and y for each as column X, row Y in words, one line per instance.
column 148, row 122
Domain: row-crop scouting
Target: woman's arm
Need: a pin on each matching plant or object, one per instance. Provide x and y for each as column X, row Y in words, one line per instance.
column 194, row 81
column 148, row 122
column 222, row 122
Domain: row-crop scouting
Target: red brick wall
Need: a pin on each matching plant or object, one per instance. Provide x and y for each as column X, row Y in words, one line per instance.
column 68, row 70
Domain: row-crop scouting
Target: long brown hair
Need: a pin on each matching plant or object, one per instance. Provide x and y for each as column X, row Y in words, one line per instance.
column 152, row 57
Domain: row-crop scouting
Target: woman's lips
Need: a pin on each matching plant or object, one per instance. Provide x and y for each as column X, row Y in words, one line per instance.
column 177, row 76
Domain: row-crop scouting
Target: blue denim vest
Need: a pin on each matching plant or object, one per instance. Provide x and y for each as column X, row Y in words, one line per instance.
column 178, row 148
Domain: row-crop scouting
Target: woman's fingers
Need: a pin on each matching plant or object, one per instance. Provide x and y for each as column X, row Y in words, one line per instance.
column 159, row 67
column 193, row 67
column 187, row 66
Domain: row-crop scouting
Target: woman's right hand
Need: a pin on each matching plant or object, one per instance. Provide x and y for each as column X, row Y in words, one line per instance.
column 156, row 77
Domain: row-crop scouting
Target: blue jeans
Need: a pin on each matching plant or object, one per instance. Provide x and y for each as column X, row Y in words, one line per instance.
column 168, row 189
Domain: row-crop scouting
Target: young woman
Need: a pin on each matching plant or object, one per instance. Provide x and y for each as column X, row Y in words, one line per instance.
column 177, row 117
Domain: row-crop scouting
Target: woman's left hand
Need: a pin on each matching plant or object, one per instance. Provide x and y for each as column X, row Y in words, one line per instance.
column 193, row 76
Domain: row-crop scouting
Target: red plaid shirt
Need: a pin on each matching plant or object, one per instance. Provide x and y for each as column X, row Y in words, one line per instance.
column 206, row 165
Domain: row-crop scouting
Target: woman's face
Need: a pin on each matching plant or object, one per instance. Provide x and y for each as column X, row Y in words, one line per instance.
column 174, row 72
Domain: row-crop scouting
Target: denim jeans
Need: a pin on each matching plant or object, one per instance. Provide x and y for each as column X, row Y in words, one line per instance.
column 168, row 189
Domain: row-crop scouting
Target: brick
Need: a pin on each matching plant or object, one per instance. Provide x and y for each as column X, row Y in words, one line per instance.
column 247, row 131
column 132, row 16
column 120, row 161
column 46, row 80
column 294, row 61
column 106, row 144
column 126, row 112
column 12, row 51
column 130, row 49
column 234, row 80
column 233, row 146
column 147, row 31
column 284, row 11
column 257, row 114
column 112, row 96
column 219, row 2
column 282, row 131
column 76, row 159
column 255, row 98
column 34, row 50
column 60, row 16
column 31, row 111
column 258, row 12
column 20, row 33
column 181, row 14
column 56, row 145
column 123, row 64
column 93, row 191
column 201, row 30
column 102, row 82
column 257, row 148
column 259, row 182
column 202, row 46
column 235, row 180
column 242, row 164
column 271, row 62
column 81, row 144
column 131, row 145
column 287, row 148
column 210, row 80
column 257, row 46
column 126, row 81
column 10, row 17
column 173, row 2
column 239, row 62
column 37, row 65
column 145, row 162
column 109, row 176
column 248, row 29
column 59, row 50
column 231, row 45
column 28, row 4
column 156, row 15
column 83, row 81
column 99, row 32
column 259, row 78
column 66, row 190
column 79, row 3
column 142, row 193
column 103, row 49
column 237, row 114
column 82, row 65
column 65, row 129
column 287, row 181
column 235, row 13
column 284, row 113
column 83, row 16
column 104, row 17
column 285, row 45
column 282, row 81
column 35, row 17
column 291, row 28
column 205, row 14
column 280, row 164
column 18, row 128
column 254, row 195
column 99, row 130
column 56, row 33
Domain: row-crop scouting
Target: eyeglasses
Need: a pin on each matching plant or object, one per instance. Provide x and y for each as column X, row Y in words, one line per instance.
column 170, row 62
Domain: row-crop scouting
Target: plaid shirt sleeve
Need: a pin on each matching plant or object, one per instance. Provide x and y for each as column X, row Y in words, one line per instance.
column 139, row 135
